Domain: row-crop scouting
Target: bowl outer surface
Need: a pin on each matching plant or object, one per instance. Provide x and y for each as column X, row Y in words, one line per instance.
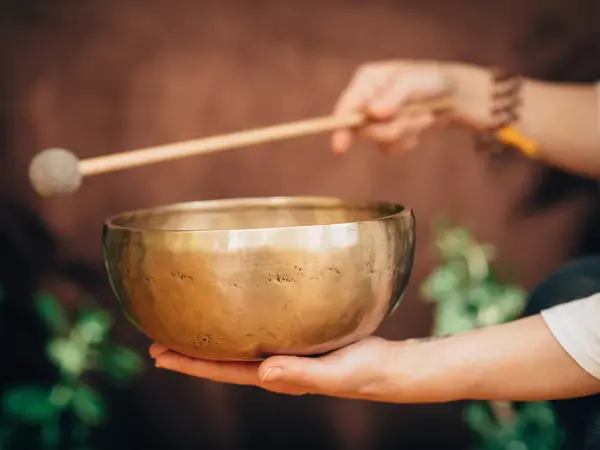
column 244, row 294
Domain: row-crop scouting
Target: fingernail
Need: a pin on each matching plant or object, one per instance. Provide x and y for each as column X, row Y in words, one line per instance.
column 157, row 366
column 156, row 350
column 272, row 374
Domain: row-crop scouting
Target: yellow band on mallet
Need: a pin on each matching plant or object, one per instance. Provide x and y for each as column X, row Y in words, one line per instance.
column 511, row 137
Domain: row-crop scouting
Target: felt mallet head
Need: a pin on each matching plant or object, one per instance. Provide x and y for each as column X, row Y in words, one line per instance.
column 55, row 172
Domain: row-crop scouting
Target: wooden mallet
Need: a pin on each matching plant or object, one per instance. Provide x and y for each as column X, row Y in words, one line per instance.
column 56, row 171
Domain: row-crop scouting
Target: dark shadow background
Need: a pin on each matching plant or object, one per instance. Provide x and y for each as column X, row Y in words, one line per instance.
column 102, row 76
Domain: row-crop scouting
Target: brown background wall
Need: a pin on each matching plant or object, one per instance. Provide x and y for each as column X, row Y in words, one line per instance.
column 102, row 76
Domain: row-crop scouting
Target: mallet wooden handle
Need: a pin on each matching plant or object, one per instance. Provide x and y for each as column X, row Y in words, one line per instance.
column 150, row 155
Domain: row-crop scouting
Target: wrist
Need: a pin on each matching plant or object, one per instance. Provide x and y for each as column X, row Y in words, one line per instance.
column 472, row 90
column 420, row 372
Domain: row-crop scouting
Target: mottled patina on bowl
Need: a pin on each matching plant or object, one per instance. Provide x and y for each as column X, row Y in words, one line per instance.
column 243, row 279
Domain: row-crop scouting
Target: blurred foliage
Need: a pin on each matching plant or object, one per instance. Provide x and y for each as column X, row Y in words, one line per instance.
column 468, row 295
column 533, row 427
column 62, row 412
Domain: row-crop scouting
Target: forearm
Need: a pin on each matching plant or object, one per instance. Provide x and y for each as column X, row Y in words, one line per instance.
column 561, row 118
column 520, row 361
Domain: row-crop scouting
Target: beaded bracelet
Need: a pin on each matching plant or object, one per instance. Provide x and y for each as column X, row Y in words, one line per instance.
column 506, row 101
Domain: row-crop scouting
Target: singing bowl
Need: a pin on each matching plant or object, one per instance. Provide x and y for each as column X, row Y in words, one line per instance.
column 244, row 279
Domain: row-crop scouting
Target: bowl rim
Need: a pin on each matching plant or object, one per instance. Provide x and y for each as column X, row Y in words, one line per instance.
column 216, row 204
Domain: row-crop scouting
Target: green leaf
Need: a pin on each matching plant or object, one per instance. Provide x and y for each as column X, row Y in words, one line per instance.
column 451, row 318
column 444, row 281
column 29, row 404
column 513, row 300
column 507, row 304
column 538, row 426
column 480, row 420
column 51, row 312
column 453, row 244
column 93, row 326
column 68, row 355
column 88, row 406
column 61, row 395
column 481, row 294
column 121, row 363
column 539, row 413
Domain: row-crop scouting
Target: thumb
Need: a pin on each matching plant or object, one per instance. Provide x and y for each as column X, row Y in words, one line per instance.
column 314, row 375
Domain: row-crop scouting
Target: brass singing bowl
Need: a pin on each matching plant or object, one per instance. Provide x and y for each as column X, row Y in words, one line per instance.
column 243, row 279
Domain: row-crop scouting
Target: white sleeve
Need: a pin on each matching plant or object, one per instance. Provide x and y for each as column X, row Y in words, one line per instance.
column 576, row 326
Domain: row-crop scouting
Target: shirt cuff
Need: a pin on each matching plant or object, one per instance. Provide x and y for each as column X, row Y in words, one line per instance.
column 576, row 326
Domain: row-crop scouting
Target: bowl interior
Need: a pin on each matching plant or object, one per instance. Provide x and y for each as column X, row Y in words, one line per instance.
column 241, row 214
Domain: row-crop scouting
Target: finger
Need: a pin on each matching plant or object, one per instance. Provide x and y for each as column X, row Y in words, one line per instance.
column 361, row 89
column 302, row 374
column 398, row 130
column 413, row 134
column 411, row 142
column 156, row 350
column 284, row 388
column 341, row 141
column 386, row 133
column 222, row 372
column 413, row 86
column 407, row 143
column 351, row 100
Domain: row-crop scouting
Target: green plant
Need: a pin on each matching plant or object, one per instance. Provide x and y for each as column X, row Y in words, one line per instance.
column 76, row 349
column 468, row 295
